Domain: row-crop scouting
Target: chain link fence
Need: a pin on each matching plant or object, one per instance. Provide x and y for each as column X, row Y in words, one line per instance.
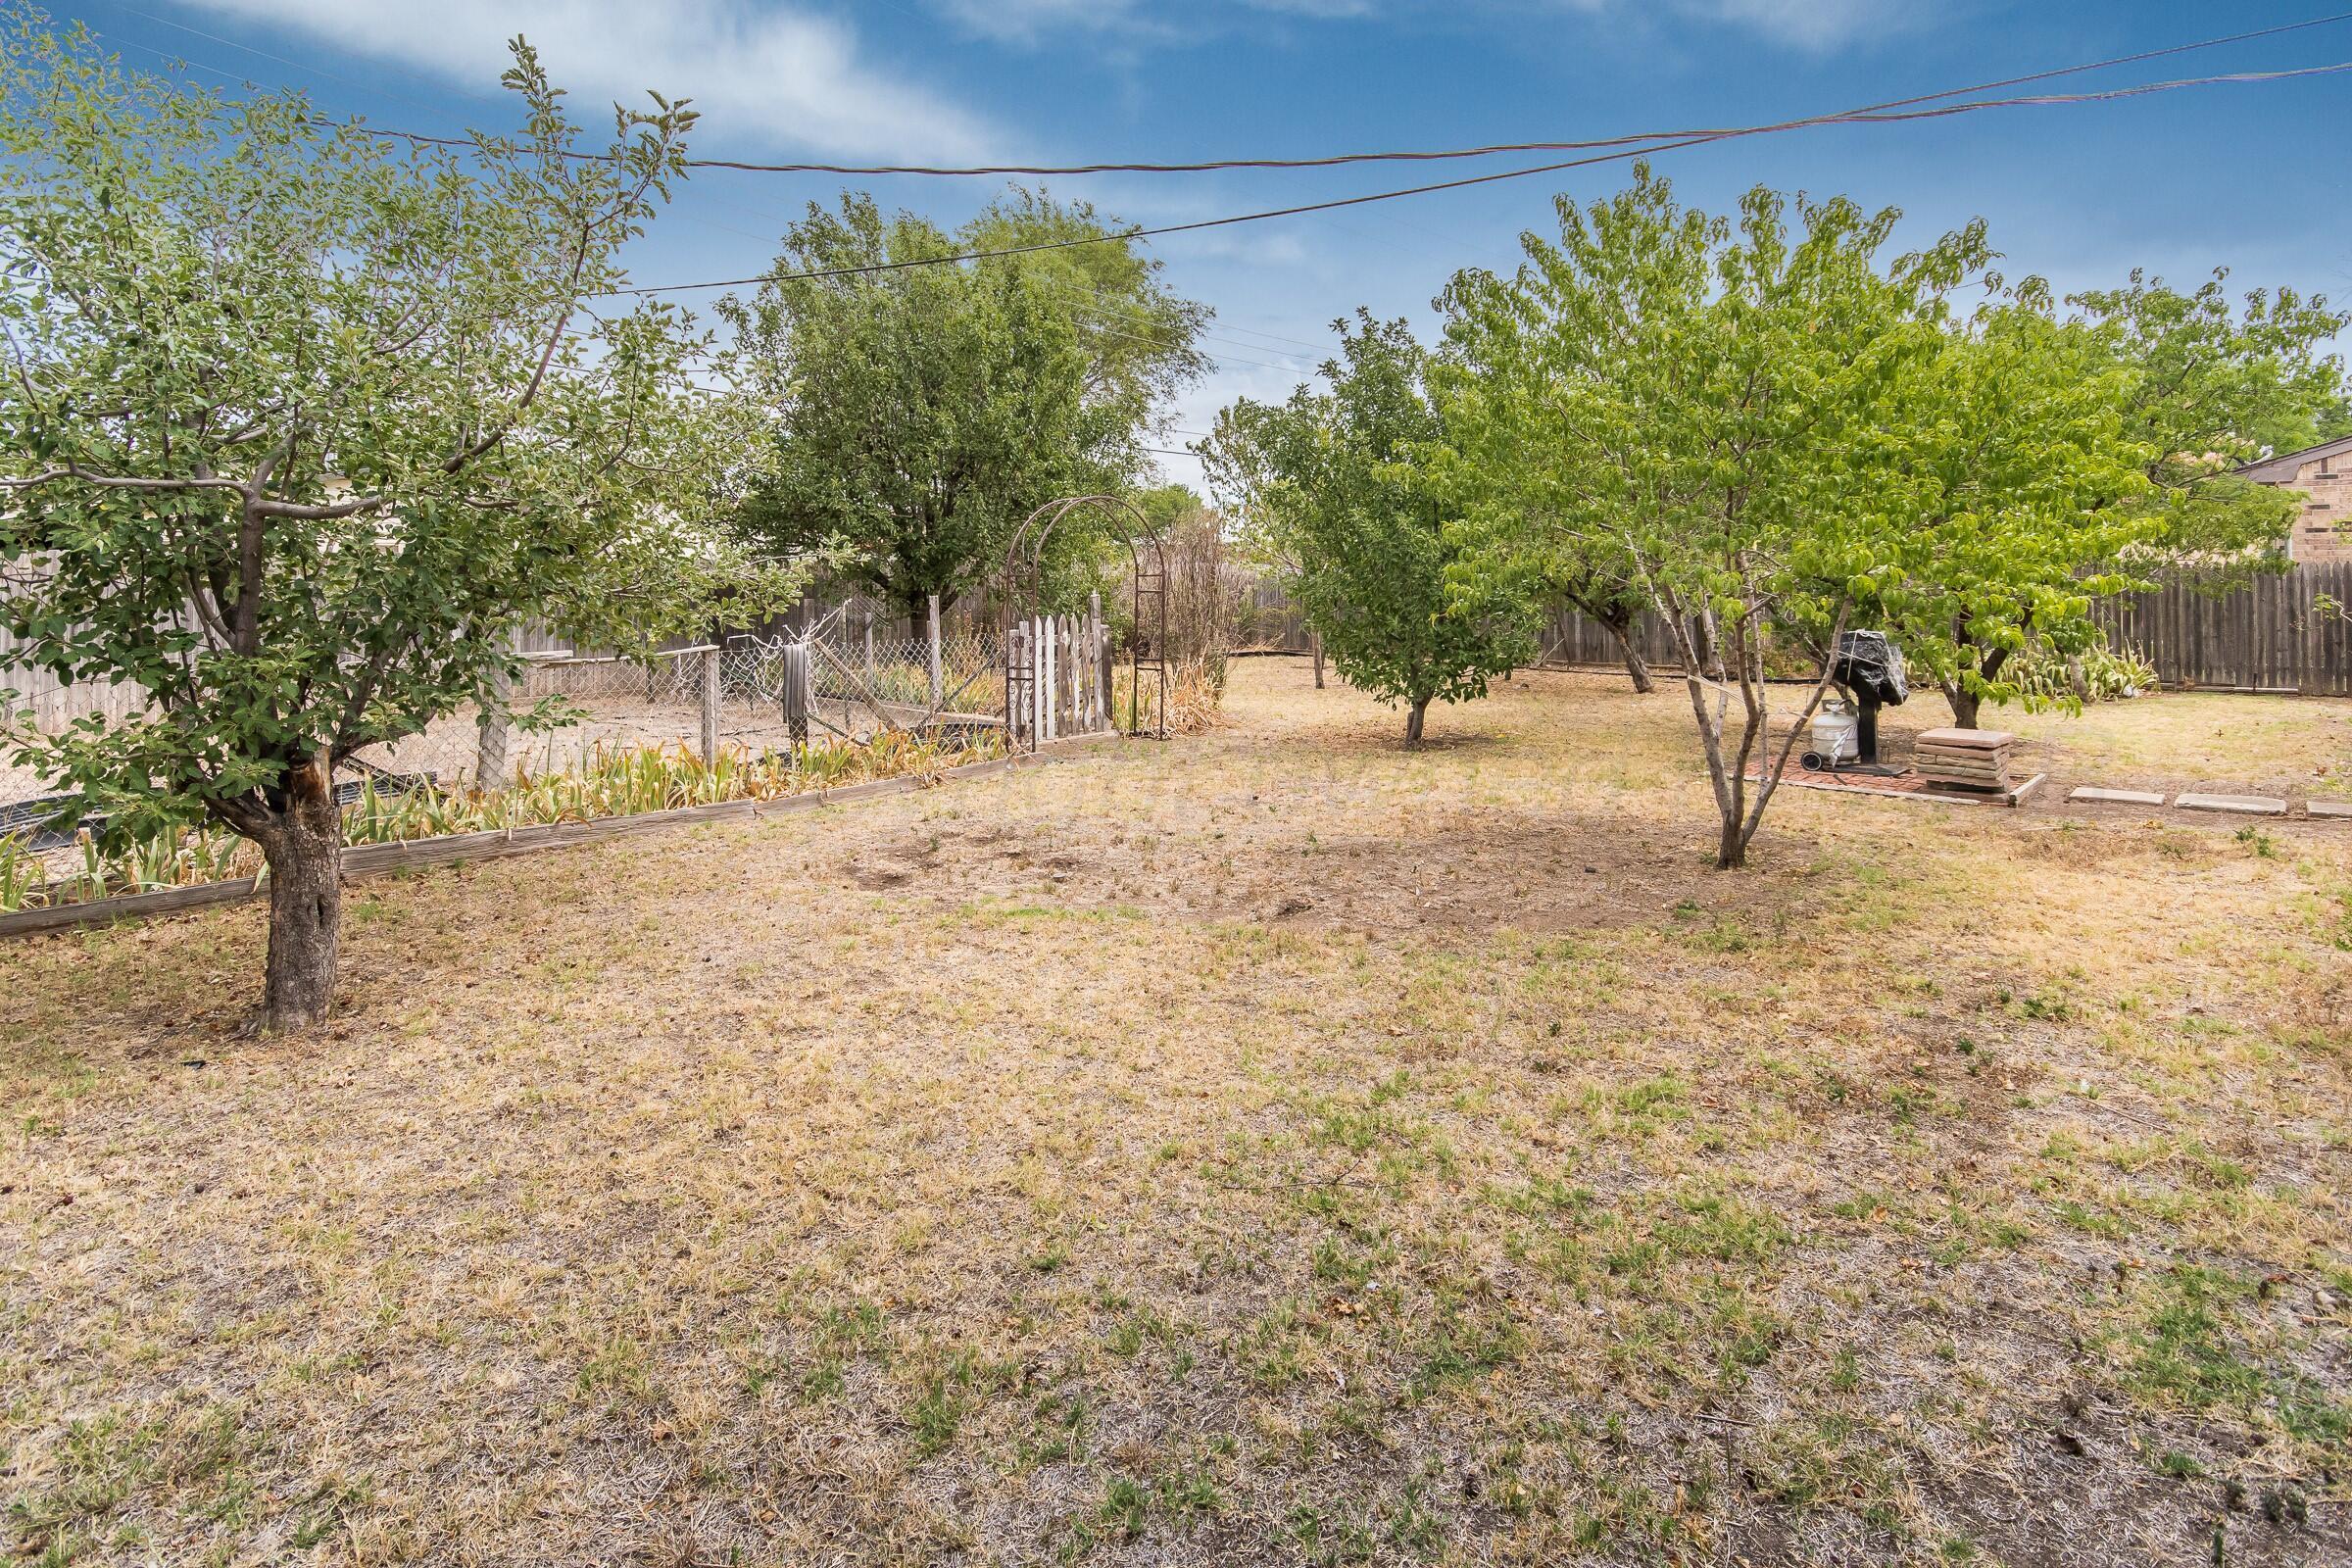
column 598, row 704
column 860, row 684
column 855, row 682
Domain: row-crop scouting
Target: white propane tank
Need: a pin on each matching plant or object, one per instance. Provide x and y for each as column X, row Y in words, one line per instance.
column 1835, row 729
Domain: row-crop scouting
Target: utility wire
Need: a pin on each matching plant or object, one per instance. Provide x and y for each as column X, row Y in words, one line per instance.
column 1872, row 116
column 1108, row 303
column 1100, row 301
column 1162, row 342
column 1631, row 145
column 1338, row 160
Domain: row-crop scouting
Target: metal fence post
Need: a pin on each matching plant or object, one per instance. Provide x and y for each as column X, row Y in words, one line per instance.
column 939, row 685
column 1108, row 715
column 711, row 709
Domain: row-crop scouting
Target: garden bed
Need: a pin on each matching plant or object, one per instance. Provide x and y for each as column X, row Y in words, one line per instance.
column 399, row 854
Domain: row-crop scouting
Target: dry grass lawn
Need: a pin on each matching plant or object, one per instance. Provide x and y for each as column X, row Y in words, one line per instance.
column 1269, row 1147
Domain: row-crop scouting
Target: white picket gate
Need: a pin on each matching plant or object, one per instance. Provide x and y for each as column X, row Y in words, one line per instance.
column 1057, row 677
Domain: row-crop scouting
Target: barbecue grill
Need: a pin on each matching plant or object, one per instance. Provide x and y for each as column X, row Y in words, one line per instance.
column 1869, row 669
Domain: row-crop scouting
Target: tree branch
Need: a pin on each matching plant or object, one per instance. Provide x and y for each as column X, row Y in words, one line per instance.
column 111, row 482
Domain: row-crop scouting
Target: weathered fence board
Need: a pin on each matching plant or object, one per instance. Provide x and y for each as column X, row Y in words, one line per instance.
column 2279, row 633
column 1056, row 673
column 2276, row 634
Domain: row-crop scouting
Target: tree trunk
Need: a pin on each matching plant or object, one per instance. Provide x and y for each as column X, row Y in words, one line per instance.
column 1709, row 642
column 1965, row 704
column 1414, row 720
column 1634, row 666
column 1315, row 641
column 1731, row 848
column 303, row 847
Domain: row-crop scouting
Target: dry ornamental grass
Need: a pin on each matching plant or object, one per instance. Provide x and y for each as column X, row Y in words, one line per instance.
column 1268, row 1147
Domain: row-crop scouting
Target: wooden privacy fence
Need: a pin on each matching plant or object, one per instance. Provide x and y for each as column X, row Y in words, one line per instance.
column 2286, row 632
column 1265, row 621
column 2290, row 632
column 1263, row 617
column 1571, row 637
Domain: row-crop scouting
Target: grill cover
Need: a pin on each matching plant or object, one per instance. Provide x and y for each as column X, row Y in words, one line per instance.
column 1871, row 666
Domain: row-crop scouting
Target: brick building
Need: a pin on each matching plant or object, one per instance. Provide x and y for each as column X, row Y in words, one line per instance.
column 2323, row 473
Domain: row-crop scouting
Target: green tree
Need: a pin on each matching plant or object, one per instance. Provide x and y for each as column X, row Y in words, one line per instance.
column 2213, row 385
column 300, row 422
column 1705, row 403
column 2012, row 463
column 1338, row 484
column 2048, row 464
column 1164, row 506
column 1140, row 338
column 922, row 407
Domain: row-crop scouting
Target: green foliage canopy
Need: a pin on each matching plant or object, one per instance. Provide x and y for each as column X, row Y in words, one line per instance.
column 297, row 422
column 920, row 412
column 1698, row 409
column 1340, row 483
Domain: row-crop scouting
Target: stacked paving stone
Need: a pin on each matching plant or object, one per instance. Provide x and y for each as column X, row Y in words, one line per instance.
column 1974, row 759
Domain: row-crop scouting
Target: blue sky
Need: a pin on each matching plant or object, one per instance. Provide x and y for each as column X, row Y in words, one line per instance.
column 2252, row 177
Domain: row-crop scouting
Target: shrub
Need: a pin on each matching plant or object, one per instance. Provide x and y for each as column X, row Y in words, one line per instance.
column 2100, row 674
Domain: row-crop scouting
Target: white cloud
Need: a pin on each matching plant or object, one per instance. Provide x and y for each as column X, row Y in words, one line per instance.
column 1817, row 26
column 794, row 78
column 1026, row 22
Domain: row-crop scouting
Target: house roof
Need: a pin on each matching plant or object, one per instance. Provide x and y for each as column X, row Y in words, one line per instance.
column 2283, row 468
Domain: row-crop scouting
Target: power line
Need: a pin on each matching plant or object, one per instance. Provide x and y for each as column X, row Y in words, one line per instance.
column 1321, row 350
column 1164, row 343
column 1639, row 144
column 1103, row 301
column 1425, row 155
column 1872, row 116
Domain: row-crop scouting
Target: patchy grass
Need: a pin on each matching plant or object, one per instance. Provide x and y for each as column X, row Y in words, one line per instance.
column 1267, row 1146
column 2199, row 740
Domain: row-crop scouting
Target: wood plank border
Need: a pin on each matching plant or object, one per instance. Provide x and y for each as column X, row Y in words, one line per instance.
column 380, row 859
column 2003, row 798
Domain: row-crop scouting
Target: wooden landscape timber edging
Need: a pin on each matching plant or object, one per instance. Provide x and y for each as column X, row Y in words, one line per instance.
column 2010, row 797
column 498, row 844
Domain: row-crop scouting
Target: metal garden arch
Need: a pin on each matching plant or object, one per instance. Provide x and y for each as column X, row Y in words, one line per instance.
column 1026, row 658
